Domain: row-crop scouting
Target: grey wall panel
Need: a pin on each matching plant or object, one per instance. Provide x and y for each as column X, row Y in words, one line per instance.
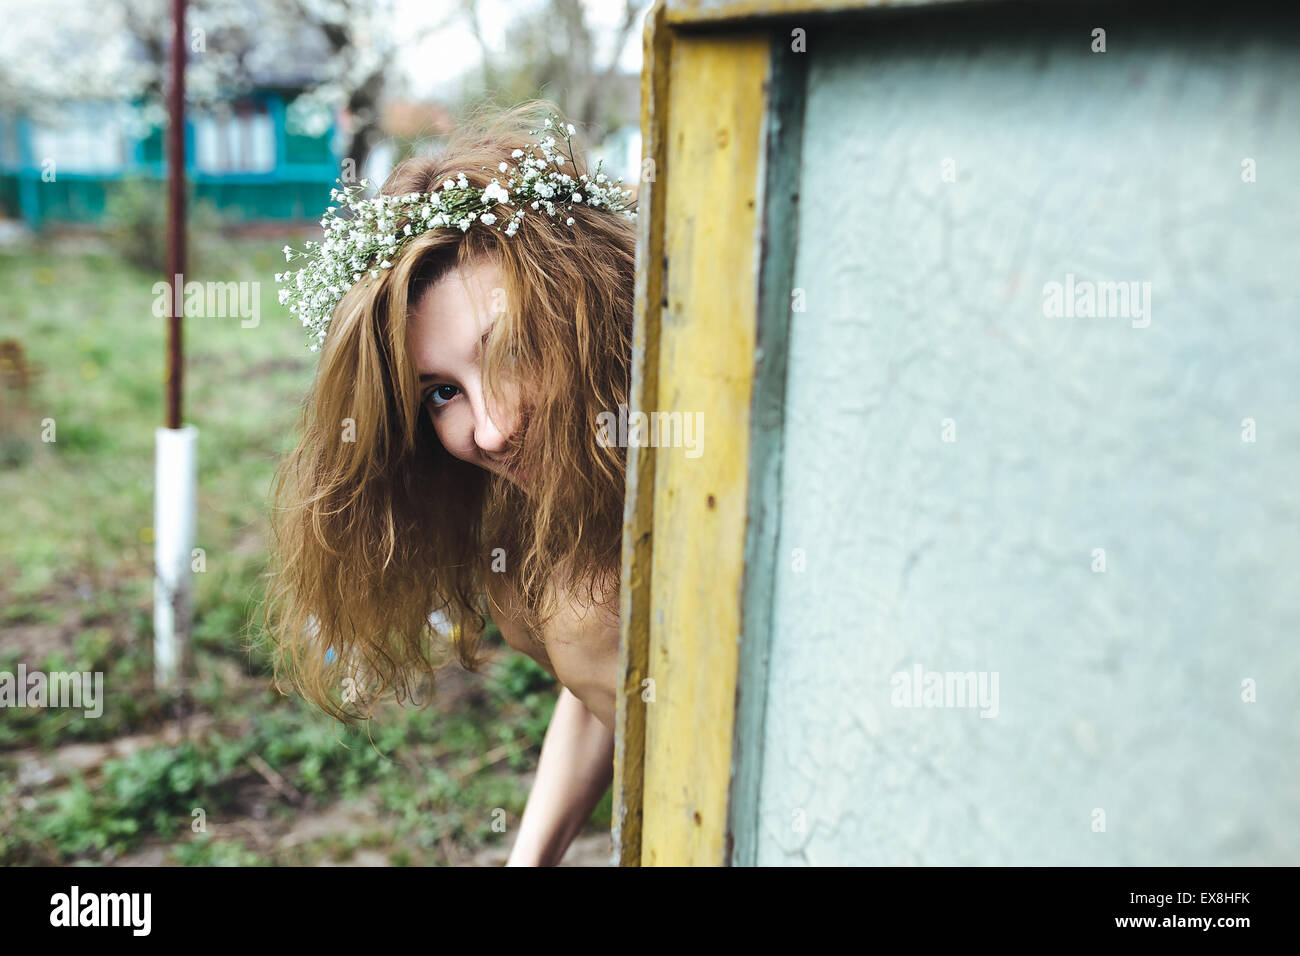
column 1119, row 691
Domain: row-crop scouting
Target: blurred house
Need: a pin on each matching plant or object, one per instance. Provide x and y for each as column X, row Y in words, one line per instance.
column 240, row 154
column 620, row 152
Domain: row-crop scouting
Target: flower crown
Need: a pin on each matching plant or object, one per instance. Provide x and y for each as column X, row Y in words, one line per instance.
column 368, row 237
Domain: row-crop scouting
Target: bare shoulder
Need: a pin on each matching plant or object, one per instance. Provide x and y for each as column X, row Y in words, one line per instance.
column 582, row 641
column 578, row 645
column 505, row 608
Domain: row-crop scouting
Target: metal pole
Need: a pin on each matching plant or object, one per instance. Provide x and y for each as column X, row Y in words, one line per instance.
column 176, row 211
column 176, row 445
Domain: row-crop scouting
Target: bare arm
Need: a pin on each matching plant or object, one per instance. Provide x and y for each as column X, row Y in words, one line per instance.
column 575, row 769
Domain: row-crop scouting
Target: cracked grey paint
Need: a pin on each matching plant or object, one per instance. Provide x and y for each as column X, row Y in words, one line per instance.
column 1118, row 690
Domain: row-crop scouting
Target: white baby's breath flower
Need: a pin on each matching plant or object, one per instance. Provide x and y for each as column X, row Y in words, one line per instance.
column 366, row 236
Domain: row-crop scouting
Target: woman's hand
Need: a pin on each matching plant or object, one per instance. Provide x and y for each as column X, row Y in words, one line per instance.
column 573, row 773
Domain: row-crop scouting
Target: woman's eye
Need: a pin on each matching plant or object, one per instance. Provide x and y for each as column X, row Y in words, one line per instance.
column 441, row 395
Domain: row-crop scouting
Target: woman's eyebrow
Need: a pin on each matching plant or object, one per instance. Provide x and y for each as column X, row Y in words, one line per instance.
column 426, row 376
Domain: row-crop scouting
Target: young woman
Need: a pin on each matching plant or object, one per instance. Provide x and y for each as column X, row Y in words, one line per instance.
column 450, row 463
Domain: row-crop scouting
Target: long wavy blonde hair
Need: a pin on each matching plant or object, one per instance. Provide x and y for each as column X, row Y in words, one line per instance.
column 375, row 526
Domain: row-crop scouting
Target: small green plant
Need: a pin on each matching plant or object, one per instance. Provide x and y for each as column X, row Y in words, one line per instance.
column 204, row 850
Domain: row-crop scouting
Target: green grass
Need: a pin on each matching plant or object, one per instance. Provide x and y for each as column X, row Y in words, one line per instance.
column 75, row 584
column 86, row 320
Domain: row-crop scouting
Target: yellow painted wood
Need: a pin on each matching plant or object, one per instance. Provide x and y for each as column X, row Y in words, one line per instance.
column 635, row 595
column 686, row 12
column 706, row 364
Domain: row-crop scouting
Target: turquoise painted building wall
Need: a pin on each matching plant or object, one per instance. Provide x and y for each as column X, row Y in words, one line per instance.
column 249, row 166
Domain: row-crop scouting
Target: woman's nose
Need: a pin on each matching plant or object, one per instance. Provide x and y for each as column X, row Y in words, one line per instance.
column 488, row 436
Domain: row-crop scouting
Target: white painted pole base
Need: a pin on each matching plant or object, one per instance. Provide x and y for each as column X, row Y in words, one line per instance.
column 175, row 497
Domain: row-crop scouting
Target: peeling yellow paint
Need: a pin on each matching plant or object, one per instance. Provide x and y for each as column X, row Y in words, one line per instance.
column 706, row 340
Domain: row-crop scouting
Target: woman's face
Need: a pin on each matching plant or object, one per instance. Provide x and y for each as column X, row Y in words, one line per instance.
column 448, row 329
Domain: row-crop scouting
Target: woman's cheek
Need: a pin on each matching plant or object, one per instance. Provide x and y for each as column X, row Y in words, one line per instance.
column 455, row 437
column 444, row 433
